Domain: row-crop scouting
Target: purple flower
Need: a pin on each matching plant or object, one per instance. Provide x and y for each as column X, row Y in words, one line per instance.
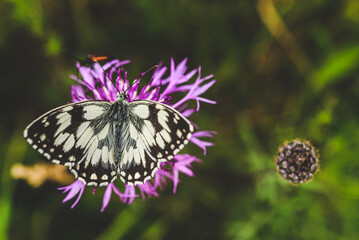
column 95, row 84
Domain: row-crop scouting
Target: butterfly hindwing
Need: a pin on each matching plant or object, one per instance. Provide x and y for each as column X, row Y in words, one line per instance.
column 155, row 134
column 77, row 135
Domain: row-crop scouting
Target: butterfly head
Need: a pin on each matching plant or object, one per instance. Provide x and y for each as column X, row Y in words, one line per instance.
column 122, row 96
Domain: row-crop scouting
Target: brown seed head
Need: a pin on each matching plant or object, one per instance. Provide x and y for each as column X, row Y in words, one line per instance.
column 297, row 161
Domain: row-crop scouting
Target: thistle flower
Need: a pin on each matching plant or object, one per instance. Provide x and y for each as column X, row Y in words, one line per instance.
column 297, row 161
column 96, row 84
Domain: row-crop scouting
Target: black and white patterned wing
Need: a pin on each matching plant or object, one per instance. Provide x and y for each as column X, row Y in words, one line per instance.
column 80, row 136
column 155, row 133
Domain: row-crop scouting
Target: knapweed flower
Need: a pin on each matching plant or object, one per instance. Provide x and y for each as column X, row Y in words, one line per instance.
column 297, row 161
column 95, row 83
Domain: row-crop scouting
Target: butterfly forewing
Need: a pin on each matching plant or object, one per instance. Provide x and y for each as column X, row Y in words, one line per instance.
column 78, row 136
column 154, row 134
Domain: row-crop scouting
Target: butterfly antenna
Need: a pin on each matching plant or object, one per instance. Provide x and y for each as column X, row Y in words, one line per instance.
column 95, row 60
column 138, row 78
column 71, row 56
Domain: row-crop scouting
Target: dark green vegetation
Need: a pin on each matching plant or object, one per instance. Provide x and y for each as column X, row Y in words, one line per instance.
column 286, row 69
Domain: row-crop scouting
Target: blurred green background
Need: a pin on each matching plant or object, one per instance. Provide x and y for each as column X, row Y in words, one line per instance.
column 285, row 69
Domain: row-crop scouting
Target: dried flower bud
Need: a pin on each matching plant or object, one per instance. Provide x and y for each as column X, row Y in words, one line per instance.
column 39, row 173
column 297, row 161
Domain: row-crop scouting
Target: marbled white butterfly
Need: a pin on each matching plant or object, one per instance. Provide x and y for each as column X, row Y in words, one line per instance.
column 99, row 140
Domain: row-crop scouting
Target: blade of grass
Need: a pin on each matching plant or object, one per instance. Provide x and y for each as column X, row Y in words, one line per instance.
column 15, row 153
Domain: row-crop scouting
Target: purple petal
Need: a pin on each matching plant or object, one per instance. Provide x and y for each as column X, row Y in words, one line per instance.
column 97, row 95
column 86, row 76
column 147, row 189
column 75, row 188
column 130, row 194
column 177, row 77
column 175, row 180
column 100, row 73
column 206, row 100
column 160, row 178
column 198, row 99
column 195, row 90
column 204, row 133
column 112, row 90
column 114, row 64
column 157, row 75
column 200, row 143
column 77, row 79
column 77, row 93
column 107, row 196
column 199, row 90
column 188, row 112
column 183, row 165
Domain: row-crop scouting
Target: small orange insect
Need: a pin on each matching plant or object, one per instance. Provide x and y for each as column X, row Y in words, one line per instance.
column 93, row 58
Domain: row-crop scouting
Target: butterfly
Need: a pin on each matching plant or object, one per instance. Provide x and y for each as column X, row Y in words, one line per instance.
column 99, row 140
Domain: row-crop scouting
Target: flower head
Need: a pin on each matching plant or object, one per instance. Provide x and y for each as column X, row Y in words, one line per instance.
column 96, row 84
column 297, row 161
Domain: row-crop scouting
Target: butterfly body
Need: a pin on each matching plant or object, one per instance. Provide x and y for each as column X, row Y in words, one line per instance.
column 100, row 140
